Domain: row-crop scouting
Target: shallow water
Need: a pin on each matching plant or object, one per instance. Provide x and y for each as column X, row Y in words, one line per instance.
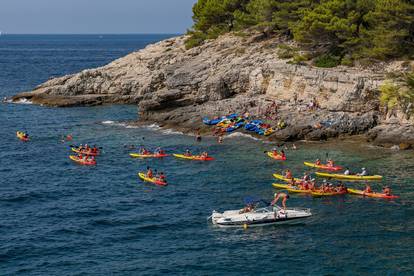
column 60, row 218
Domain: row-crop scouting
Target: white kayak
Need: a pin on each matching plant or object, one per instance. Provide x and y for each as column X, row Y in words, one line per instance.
column 260, row 217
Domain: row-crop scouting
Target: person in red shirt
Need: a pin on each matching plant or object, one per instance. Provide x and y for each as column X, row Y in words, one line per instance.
column 149, row 172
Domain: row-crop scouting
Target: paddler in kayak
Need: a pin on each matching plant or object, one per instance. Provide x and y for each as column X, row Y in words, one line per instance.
column 347, row 172
column 363, row 172
column 144, row 151
column 162, row 177
column 305, row 177
column 318, row 162
column 288, row 174
column 367, row 189
column 159, row 150
column 204, row 154
column 283, row 155
column 149, row 173
column 330, row 163
column 187, row 153
column 277, row 196
column 275, row 152
column 387, row 191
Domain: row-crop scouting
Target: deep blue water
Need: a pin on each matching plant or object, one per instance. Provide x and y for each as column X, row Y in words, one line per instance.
column 58, row 218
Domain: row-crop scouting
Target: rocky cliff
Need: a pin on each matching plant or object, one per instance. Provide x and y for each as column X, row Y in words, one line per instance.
column 176, row 87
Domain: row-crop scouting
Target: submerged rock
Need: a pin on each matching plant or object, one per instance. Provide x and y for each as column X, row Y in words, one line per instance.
column 177, row 87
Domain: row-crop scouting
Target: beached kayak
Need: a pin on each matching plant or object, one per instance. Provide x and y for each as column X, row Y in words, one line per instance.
column 281, row 186
column 82, row 162
column 376, row 195
column 85, row 152
column 317, row 193
column 276, row 157
column 349, row 177
column 323, row 167
column 281, row 177
column 151, row 180
column 137, row 155
column 194, row 157
column 21, row 135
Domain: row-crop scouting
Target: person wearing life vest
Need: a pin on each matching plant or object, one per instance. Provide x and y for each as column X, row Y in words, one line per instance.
column 318, row 162
column 386, row 190
column 288, row 174
column 367, row 189
column 162, row 177
column 149, row 172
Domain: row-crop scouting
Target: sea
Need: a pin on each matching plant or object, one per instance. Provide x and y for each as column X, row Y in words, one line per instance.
column 60, row 218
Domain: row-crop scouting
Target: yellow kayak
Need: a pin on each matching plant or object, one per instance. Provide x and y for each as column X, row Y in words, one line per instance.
column 316, row 193
column 281, row 186
column 151, row 155
column 194, row 157
column 281, row 177
column 323, row 166
column 349, row 177
column 22, row 136
column 376, row 195
column 296, row 190
column 151, row 180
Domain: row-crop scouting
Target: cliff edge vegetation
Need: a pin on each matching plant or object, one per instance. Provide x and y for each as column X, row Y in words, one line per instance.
column 335, row 31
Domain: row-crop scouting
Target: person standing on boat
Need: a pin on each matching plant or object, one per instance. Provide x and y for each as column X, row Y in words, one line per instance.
column 277, row 196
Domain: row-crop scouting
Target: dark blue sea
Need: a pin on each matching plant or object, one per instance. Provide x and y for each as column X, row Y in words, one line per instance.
column 59, row 218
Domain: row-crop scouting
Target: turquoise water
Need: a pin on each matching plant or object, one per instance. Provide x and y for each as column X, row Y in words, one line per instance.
column 59, row 218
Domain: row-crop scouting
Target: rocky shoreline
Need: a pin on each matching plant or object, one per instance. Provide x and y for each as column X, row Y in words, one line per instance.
column 175, row 87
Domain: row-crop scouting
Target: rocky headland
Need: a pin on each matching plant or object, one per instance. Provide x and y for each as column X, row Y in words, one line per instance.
column 175, row 87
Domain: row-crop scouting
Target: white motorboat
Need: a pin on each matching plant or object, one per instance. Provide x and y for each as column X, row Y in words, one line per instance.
column 269, row 215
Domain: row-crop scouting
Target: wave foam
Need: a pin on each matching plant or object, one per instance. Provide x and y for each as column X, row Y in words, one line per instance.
column 240, row 134
column 170, row 131
column 153, row 127
column 21, row 101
